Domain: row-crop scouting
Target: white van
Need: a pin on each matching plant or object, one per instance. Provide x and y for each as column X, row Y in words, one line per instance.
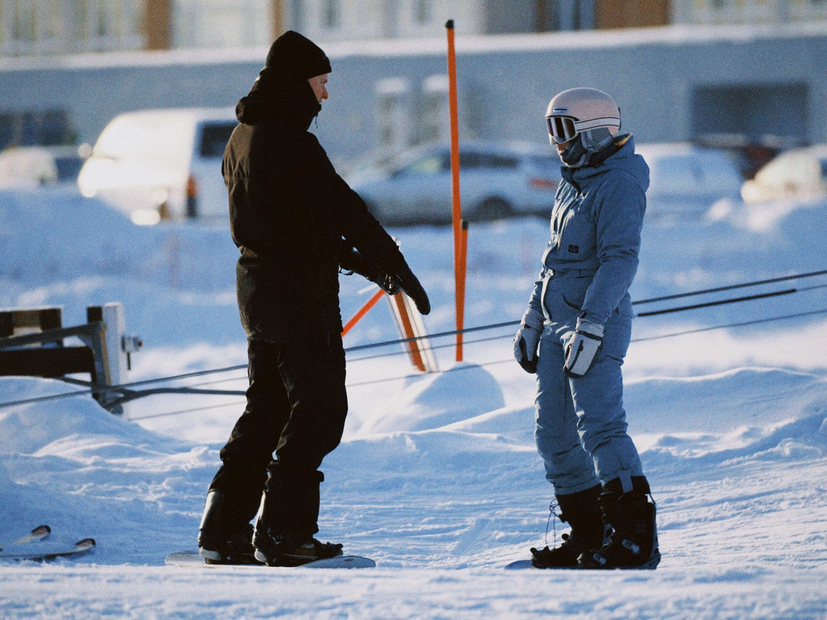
column 161, row 164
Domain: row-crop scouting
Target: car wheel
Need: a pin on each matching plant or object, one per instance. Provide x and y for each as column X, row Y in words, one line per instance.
column 493, row 209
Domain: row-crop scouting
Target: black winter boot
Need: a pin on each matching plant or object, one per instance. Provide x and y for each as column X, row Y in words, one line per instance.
column 581, row 511
column 632, row 517
column 222, row 538
column 287, row 520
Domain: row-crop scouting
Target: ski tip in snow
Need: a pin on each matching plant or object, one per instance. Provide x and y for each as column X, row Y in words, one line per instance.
column 192, row 558
column 519, row 565
column 41, row 532
column 33, row 548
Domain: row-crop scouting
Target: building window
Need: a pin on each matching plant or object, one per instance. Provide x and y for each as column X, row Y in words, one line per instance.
column 102, row 23
column 331, row 16
column 24, row 22
column 423, row 13
column 52, row 20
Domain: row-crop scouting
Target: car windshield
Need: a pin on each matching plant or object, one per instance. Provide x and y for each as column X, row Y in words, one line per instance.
column 473, row 159
column 214, row 138
column 68, row 168
column 430, row 164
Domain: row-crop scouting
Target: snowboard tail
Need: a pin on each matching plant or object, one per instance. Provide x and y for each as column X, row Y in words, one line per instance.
column 192, row 558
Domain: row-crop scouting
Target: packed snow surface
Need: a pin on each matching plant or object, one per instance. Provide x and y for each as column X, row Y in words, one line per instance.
column 437, row 478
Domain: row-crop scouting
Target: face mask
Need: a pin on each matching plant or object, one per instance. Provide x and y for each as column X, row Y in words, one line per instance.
column 575, row 154
column 580, row 150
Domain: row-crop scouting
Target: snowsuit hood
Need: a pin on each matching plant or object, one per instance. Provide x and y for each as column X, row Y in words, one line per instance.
column 620, row 155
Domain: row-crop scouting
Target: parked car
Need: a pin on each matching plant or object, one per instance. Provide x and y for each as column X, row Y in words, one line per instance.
column 33, row 166
column 161, row 164
column 798, row 173
column 686, row 180
column 496, row 181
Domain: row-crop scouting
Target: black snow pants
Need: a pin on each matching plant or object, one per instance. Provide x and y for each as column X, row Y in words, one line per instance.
column 296, row 408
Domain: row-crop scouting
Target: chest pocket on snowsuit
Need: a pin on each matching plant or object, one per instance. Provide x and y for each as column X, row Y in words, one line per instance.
column 574, row 232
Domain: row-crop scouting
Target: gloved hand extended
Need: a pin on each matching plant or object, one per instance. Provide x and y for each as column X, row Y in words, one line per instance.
column 352, row 261
column 527, row 340
column 582, row 347
column 387, row 283
column 409, row 283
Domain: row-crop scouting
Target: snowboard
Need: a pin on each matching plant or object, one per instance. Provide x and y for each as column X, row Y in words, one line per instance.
column 36, row 547
column 519, row 565
column 192, row 558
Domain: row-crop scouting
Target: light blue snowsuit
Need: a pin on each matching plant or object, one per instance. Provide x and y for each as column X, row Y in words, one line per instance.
column 588, row 267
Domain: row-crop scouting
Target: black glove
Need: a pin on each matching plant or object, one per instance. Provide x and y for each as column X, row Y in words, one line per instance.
column 527, row 340
column 351, row 261
column 409, row 283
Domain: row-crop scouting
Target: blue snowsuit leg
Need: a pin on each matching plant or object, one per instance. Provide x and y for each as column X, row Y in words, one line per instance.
column 580, row 421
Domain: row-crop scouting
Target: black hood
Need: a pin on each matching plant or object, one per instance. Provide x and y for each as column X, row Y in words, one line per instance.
column 298, row 56
column 281, row 89
column 277, row 95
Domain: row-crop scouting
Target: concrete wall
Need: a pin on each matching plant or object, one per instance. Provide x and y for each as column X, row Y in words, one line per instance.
column 505, row 82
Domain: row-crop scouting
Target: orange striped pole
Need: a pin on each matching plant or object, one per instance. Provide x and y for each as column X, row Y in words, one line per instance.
column 463, row 266
column 460, row 227
column 360, row 315
column 410, row 334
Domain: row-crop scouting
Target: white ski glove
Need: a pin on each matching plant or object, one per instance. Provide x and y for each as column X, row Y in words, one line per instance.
column 527, row 340
column 583, row 347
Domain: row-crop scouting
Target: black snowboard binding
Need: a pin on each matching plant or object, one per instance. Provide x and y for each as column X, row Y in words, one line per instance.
column 288, row 519
column 291, row 549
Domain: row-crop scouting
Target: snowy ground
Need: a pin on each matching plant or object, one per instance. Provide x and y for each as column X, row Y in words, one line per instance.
column 437, row 478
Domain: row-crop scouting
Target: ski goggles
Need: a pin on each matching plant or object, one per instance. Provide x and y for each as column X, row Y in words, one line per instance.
column 562, row 129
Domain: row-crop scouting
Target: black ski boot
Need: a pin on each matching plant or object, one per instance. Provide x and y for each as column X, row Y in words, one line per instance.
column 634, row 539
column 581, row 511
column 288, row 519
column 223, row 539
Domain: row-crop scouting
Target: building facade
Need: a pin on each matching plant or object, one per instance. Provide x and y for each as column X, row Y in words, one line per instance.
column 53, row 27
column 759, row 76
column 748, row 11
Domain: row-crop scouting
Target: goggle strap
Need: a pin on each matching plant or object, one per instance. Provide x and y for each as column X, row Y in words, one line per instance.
column 606, row 121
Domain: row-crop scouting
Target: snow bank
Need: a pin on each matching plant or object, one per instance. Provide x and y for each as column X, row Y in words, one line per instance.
column 437, row 478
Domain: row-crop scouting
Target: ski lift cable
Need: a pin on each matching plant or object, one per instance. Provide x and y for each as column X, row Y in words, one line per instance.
column 95, row 388
column 493, row 362
column 731, row 287
column 235, row 403
column 124, row 388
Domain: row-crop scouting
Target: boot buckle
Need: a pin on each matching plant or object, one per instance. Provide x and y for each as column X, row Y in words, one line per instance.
column 631, row 546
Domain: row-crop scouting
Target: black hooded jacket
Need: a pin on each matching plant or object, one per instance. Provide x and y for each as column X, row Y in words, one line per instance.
column 293, row 217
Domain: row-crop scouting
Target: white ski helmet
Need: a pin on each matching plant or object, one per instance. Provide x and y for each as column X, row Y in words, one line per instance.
column 580, row 110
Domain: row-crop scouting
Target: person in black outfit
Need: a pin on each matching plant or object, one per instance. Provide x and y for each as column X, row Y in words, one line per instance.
column 297, row 224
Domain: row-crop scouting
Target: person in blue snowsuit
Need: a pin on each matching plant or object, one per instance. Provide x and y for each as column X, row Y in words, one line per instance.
column 575, row 334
